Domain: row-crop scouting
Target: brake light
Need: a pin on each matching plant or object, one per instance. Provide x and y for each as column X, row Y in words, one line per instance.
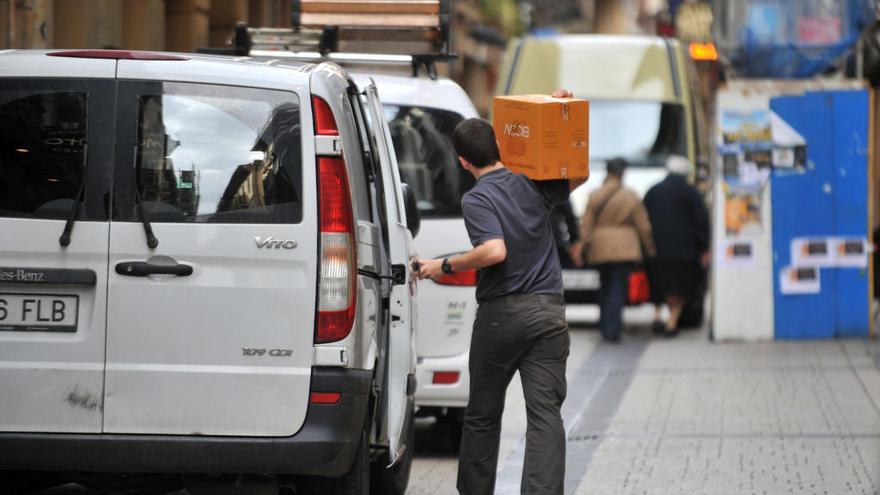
column 337, row 281
column 336, row 286
column 324, row 397
column 462, row 278
column 325, row 124
column 117, row 54
column 445, row 378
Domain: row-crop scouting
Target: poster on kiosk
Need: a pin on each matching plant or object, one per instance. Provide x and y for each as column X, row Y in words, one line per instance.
column 791, row 212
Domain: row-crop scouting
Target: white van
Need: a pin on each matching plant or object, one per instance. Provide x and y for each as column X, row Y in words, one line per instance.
column 422, row 113
column 204, row 268
column 644, row 106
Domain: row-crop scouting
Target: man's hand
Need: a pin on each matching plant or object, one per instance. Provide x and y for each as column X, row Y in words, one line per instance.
column 429, row 268
column 562, row 93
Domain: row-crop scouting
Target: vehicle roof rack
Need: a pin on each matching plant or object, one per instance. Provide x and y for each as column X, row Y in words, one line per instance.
column 384, row 32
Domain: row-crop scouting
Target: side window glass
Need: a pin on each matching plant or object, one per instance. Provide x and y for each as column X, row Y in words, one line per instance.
column 218, row 154
column 42, row 152
column 422, row 139
column 380, row 154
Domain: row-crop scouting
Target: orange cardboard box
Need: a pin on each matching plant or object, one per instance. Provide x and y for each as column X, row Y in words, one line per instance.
column 543, row 137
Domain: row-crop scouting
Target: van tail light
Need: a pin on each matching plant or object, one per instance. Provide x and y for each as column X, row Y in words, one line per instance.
column 336, row 285
column 445, row 378
column 463, row 278
column 324, row 397
column 338, row 271
column 325, row 124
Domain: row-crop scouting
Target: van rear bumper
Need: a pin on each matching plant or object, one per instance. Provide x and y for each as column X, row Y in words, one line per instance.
column 325, row 445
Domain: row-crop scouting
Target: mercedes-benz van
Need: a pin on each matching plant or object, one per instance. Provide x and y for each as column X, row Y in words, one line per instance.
column 204, row 268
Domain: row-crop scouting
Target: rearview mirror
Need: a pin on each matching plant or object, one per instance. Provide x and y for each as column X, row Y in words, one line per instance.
column 413, row 218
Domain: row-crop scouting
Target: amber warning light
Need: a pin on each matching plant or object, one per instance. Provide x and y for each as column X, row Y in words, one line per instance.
column 703, row 52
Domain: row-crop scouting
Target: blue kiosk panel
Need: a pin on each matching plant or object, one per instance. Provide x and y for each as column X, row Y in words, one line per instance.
column 828, row 198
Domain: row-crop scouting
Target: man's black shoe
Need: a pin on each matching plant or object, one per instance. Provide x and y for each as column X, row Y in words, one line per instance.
column 611, row 339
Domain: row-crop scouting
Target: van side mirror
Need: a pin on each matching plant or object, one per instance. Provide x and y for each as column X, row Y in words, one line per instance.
column 413, row 218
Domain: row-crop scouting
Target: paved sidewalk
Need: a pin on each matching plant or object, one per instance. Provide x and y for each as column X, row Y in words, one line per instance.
column 687, row 416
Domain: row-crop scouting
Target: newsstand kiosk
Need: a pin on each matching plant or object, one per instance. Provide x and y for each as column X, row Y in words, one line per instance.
column 792, row 175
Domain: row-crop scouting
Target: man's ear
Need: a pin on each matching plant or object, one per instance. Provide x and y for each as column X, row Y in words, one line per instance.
column 464, row 163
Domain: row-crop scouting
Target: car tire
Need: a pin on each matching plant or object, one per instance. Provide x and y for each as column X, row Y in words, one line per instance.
column 394, row 480
column 355, row 482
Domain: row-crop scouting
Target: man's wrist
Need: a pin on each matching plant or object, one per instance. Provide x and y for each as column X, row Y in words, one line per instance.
column 446, row 267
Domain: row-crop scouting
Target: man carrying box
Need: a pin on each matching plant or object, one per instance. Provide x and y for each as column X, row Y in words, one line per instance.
column 520, row 323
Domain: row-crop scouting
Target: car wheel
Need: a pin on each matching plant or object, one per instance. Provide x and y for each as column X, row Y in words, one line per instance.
column 355, row 482
column 393, row 480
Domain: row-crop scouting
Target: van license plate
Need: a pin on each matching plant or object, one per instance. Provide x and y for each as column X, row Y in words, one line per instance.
column 580, row 279
column 38, row 313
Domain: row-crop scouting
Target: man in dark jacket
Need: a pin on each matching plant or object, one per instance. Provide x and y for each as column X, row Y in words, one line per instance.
column 680, row 223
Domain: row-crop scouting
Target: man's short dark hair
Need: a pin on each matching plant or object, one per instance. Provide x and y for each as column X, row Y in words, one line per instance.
column 474, row 140
column 616, row 166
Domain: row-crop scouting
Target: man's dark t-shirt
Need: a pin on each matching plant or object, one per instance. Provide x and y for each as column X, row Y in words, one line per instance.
column 504, row 205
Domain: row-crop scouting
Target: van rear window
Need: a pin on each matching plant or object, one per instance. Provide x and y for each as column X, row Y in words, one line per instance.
column 209, row 153
column 42, row 152
column 428, row 163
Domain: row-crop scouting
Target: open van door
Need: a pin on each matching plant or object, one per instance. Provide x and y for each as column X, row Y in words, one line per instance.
column 399, row 385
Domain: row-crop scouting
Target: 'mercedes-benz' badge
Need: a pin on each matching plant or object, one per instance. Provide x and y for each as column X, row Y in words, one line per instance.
column 273, row 243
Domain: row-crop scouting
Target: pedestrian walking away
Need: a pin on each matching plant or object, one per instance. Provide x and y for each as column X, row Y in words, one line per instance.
column 680, row 222
column 520, row 323
column 615, row 237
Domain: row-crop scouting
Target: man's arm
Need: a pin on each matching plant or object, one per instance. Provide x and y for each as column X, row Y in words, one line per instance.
column 489, row 253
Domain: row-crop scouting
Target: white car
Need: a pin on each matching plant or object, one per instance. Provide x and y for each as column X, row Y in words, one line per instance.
column 422, row 114
column 204, row 268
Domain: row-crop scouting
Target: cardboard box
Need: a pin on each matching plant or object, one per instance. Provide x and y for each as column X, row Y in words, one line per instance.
column 143, row 24
column 543, row 137
column 88, row 23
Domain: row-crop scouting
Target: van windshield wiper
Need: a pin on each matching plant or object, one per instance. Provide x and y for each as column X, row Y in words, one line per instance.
column 152, row 242
column 64, row 240
column 73, row 213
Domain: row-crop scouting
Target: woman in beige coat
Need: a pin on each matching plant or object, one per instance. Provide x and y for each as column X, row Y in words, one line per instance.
column 615, row 236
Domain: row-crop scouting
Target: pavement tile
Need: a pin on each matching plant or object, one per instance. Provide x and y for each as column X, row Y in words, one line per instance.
column 698, row 417
column 772, row 466
column 777, row 401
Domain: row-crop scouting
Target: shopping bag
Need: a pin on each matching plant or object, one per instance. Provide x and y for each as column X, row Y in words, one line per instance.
column 639, row 291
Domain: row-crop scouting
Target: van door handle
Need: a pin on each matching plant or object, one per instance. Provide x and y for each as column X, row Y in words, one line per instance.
column 143, row 269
